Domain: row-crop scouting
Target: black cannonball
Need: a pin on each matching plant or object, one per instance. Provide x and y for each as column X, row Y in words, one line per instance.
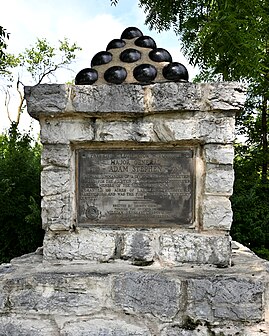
column 115, row 75
column 86, row 76
column 145, row 73
column 130, row 33
column 160, row 55
column 130, row 55
column 175, row 71
column 103, row 57
column 116, row 43
column 145, row 42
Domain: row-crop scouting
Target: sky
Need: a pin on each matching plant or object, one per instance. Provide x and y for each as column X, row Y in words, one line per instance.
column 89, row 23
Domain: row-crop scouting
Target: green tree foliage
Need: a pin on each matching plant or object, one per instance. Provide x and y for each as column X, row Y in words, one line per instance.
column 20, row 220
column 250, row 202
column 41, row 62
column 20, row 168
column 3, row 45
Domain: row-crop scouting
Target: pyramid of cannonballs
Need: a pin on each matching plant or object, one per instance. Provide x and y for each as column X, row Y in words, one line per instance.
column 134, row 58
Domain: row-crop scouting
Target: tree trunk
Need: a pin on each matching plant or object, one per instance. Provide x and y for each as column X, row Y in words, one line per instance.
column 264, row 140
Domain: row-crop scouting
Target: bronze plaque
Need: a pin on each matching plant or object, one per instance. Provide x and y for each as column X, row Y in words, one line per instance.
column 135, row 187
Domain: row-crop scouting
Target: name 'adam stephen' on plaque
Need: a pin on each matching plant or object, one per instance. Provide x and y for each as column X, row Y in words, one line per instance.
column 142, row 187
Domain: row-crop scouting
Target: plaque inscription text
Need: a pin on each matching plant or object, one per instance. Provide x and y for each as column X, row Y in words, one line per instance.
column 142, row 187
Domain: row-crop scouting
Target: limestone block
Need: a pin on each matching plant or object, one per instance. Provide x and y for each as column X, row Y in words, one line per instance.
column 176, row 330
column 139, row 246
column 175, row 129
column 216, row 127
column 55, row 181
column 26, row 326
column 49, row 100
column 235, row 299
column 223, row 96
column 217, row 213
column 57, row 212
column 108, row 98
column 56, row 155
column 173, row 96
column 103, row 327
column 46, row 98
column 64, row 131
column 180, row 247
column 219, row 154
column 205, row 127
column 146, row 293
column 49, row 293
column 84, row 244
column 219, row 179
column 121, row 131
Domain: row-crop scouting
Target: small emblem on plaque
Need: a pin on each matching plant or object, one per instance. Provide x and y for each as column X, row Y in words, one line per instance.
column 92, row 212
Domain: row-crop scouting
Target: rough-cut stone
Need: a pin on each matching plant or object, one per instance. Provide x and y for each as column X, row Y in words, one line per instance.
column 217, row 213
column 139, row 246
column 103, row 327
column 219, row 180
column 235, row 299
column 57, row 212
column 56, row 155
column 107, row 98
column 50, row 100
column 145, row 293
column 55, row 181
column 65, row 131
column 194, row 248
column 219, row 154
column 26, row 326
column 47, row 97
column 177, row 330
column 49, row 293
column 219, row 96
column 84, row 245
column 75, row 298
column 216, row 127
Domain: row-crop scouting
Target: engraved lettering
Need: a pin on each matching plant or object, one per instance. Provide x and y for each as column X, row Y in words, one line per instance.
column 135, row 187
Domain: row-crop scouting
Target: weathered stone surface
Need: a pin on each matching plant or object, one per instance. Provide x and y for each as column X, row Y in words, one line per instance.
column 216, row 127
column 47, row 97
column 57, row 212
column 234, row 299
column 49, row 293
column 171, row 96
column 194, row 248
column 84, row 245
column 26, row 326
column 75, row 298
column 219, row 154
column 55, row 180
column 108, row 98
column 146, row 293
column 177, row 330
column 219, row 179
column 103, row 327
column 217, row 213
column 56, row 155
column 219, row 96
column 64, row 131
column 139, row 246
column 160, row 97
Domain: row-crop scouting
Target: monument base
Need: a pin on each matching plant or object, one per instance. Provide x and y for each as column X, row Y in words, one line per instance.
column 117, row 298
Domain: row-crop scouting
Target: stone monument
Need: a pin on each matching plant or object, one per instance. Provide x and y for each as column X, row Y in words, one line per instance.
column 137, row 174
